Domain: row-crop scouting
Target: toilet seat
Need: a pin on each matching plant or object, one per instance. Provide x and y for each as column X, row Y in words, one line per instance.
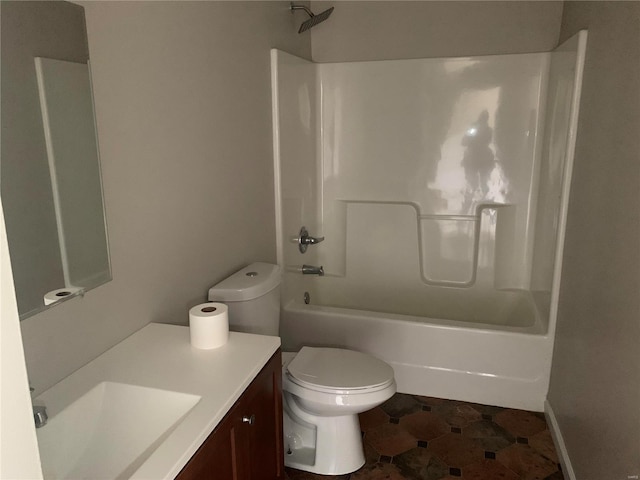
column 334, row 370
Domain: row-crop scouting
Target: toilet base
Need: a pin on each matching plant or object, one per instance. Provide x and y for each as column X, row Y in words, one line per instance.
column 323, row 445
column 300, row 458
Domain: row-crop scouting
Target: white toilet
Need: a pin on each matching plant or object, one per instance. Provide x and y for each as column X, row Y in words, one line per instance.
column 324, row 389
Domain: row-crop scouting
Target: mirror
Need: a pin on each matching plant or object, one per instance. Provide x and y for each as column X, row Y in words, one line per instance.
column 50, row 172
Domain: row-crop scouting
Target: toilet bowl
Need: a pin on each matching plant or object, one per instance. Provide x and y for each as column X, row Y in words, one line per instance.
column 324, row 389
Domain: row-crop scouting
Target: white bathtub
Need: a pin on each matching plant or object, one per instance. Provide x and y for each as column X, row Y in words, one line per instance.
column 496, row 365
column 371, row 156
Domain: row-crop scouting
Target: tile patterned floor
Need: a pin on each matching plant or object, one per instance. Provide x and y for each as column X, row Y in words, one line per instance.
column 423, row 438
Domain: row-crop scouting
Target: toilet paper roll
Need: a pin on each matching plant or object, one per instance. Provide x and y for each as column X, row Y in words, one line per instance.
column 209, row 325
column 56, row 295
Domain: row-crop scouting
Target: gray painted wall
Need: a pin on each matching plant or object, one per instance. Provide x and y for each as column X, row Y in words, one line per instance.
column 595, row 378
column 365, row 30
column 183, row 107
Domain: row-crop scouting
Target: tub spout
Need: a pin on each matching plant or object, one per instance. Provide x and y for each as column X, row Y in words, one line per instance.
column 311, row 270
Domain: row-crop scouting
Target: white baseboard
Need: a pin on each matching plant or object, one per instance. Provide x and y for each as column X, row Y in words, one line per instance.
column 561, row 448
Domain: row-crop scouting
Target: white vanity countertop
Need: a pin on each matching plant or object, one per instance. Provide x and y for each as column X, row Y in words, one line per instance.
column 161, row 356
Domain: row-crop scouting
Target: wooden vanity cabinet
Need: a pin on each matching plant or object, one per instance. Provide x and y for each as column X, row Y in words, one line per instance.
column 247, row 443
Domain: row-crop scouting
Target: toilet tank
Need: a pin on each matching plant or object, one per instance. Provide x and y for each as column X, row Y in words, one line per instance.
column 253, row 297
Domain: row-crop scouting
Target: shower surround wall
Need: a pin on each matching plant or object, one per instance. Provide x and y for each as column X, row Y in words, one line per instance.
column 439, row 186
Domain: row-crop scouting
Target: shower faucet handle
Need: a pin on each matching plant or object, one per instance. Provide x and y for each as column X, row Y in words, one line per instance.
column 304, row 240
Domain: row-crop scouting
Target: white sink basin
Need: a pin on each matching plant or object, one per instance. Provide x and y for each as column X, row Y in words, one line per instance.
column 110, row 431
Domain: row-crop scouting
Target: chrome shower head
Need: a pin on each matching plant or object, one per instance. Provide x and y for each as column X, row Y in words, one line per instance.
column 313, row 19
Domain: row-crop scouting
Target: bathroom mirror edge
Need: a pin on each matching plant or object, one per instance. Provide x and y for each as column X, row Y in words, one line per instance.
column 46, row 259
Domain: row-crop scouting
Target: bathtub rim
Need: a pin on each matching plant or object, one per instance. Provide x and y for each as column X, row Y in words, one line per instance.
column 537, row 329
column 487, row 366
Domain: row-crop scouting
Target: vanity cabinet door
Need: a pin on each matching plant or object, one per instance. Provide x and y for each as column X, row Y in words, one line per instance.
column 262, row 418
column 215, row 457
column 247, row 444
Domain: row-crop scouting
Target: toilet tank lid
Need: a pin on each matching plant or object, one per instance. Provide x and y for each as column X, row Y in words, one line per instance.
column 251, row 282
